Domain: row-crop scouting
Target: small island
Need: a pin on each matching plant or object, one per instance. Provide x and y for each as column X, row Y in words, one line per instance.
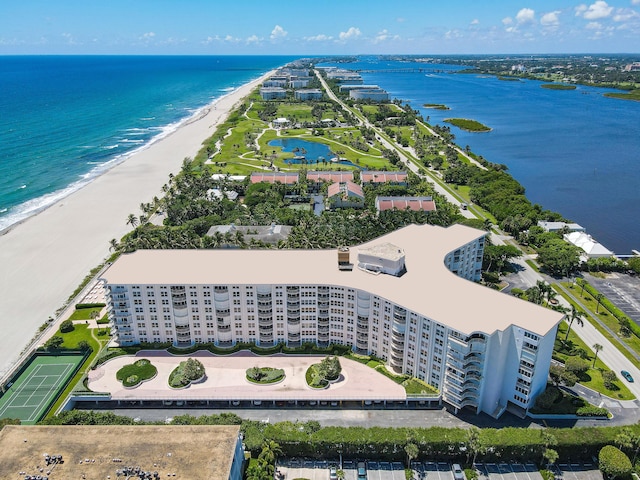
column 557, row 86
column 468, row 125
column 632, row 95
column 508, row 79
column 436, row 106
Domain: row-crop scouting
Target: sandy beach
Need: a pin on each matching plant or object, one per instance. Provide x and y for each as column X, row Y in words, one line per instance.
column 46, row 257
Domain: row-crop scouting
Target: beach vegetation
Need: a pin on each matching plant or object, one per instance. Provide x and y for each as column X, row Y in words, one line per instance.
column 468, row 125
column 436, row 106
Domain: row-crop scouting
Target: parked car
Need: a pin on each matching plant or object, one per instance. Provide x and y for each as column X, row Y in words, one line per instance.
column 362, row 471
column 458, row 474
column 333, row 473
column 627, row 376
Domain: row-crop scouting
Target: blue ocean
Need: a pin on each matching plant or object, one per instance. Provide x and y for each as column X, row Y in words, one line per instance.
column 576, row 152
column 66, row 119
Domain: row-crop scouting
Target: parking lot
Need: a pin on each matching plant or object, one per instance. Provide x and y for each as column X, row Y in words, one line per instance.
column 622, row 290
column 319, row 470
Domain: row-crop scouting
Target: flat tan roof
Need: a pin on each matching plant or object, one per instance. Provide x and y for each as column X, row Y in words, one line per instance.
column 427, row 288
column 194, row 452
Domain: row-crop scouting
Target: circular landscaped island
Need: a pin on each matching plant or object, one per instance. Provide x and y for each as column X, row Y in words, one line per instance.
column 186, row 373
column 135, row 373
column 319, row 375
column 265, row 375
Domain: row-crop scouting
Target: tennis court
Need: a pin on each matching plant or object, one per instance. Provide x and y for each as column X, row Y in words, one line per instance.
column 37, row 387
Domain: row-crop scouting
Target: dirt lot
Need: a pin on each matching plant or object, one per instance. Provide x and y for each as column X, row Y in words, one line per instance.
column 95, row 452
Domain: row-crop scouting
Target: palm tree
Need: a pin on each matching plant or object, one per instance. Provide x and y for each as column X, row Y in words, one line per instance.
column 599, row 298
column 113, row 244
column 597, row 348
column 132, row 220
column 577, row 316
column 473, row 443
column 412, row 451
column 583, row 283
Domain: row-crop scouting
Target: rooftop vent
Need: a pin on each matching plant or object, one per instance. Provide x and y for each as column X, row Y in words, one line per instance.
column 344, row 262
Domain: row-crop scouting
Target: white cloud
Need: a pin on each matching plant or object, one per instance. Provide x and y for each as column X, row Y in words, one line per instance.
column 385, row 35
column 278, row 32
column 525, row 15
column 253, row 39
column 353, row 32
column 595, row 11
column 475, row 21
column 147, row 36
column 507, row 21
column 635, row 2
column 319, row 38
column 593, row 26
column 625, row 14
column 453, row 34
column 550, row 19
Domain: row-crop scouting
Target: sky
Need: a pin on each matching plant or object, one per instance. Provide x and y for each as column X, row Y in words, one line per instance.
column 325, row 27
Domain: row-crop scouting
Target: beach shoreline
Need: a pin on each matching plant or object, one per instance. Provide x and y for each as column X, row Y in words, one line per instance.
column 45, row 256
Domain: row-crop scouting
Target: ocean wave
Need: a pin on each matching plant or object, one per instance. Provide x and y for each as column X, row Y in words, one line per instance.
column 110, row 147
column 129, row 140
column 147, row 118
column 228, row 89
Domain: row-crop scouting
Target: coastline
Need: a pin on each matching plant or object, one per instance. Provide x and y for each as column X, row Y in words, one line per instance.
column 45, row 256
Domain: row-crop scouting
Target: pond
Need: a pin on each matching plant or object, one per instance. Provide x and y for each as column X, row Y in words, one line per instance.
column 307, row 152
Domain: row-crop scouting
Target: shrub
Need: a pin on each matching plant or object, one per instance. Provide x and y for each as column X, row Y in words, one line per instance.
column 613, row 462
column 608, row 378
column 135, row 373
column 576, row 365
column 186, row 372
column 547, row 398
column 66, row 326
column 592, row 411
column 264, row 375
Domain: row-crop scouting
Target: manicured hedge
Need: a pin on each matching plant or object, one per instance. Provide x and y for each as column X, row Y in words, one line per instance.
column 266, row 375
column 137, row 372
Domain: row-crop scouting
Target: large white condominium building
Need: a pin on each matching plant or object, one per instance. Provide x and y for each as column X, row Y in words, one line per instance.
column 407, row 297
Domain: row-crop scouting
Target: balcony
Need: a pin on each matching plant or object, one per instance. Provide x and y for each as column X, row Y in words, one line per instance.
column 224, row 328
column 293, row 321
column 293, row 313
column 323, row 330
column 293, row 290
column 223, row 313
column 267, row 312
column 263, row 322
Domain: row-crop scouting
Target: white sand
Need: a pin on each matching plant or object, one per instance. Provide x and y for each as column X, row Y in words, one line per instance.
column 44, row 258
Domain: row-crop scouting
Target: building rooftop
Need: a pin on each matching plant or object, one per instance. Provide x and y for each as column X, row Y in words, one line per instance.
column 588, row 244
column 382, row 177
column 288, row 178
column 193, row 452
column 345, row 188
column 427, row 287
column 330, row 175
column 403, row 203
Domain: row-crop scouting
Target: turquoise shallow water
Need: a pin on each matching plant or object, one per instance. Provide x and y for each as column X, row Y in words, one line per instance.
column 66, row 119
column 576, row 152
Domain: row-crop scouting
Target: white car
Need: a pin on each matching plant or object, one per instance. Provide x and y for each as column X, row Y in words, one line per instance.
column 458, row 473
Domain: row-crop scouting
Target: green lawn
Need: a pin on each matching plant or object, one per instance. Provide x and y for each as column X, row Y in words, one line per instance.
column 84, row 313
column 593, row 377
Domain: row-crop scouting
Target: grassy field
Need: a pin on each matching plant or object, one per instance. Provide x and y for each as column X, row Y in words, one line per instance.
column 632, row 95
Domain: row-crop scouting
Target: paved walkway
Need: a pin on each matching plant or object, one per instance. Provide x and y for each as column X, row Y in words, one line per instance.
column 226, row 379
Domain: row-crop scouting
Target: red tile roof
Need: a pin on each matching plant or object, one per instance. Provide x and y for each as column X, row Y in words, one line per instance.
column 346, row 187
column 402, row 203
column 287, row 178
column 330, row 176
column 383, row 177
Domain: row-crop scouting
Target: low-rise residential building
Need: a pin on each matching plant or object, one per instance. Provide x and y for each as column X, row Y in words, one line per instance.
column 424, row 204
column 308, row 94
column 315, row 178
column 262, row 234
column 375, row 95
column 299, row 82
column 408, row 298
column 345, row 195
column 591, row 248
column 286, row 178
column 375, row 177
column 560, row 226
column 348, row 88
column 272, row 93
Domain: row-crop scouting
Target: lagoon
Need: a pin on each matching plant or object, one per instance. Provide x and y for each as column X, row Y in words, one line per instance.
column 313, row 152
column 575, row 152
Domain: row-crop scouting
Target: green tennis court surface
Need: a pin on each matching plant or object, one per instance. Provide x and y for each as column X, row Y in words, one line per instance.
column 37, row 387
